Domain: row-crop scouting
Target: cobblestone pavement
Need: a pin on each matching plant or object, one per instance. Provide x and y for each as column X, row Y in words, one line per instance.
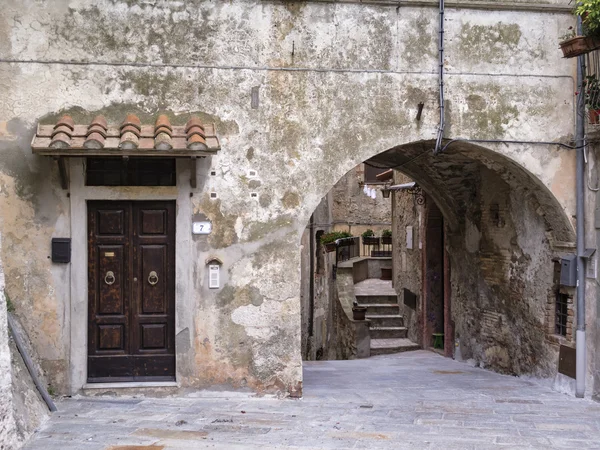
column 405, row 401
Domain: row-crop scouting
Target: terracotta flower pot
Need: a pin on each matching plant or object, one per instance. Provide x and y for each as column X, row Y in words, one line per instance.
column 594, row 116
column 579, row 45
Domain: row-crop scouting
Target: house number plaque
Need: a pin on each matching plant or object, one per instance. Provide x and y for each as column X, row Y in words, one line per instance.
column 201, row 227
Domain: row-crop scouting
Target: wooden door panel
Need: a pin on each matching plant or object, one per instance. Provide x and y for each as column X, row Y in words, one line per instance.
column 154, row 367
column 153, row 222
column 153, row 262
column 154, row 336
column 108, row 291
column 111, row 222
column 111, row 337
column 110, row 279
column 131, row 309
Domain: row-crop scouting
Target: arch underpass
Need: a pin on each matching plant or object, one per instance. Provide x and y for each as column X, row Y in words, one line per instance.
column 503, row 234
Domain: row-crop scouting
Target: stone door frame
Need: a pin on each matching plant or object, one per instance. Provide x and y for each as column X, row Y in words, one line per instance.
column 76, row 312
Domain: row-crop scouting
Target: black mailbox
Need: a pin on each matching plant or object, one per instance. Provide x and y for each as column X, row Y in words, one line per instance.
column 61, row 250
column 568, row 271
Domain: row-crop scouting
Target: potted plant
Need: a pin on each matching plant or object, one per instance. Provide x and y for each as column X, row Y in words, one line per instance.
column 329, row 239
column 573, row 45
column 591, row 86
column 369, row 238
column 359, row 312
column 343, row 240
column 386, row 237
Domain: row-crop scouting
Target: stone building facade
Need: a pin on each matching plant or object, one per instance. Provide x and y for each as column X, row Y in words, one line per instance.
column 299, row 94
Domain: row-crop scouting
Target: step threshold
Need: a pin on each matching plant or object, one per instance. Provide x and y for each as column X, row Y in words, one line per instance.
column 383, row 316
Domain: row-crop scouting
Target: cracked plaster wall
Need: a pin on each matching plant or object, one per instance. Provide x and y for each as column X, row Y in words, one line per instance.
column 358, row 74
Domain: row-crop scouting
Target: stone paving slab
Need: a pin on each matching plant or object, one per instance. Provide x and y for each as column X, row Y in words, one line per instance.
column 416, row 400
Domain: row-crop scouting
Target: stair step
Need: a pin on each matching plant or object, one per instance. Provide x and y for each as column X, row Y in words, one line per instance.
column 385, row 320
column 381, row 308
column 388, row 332
column 377, row 299
column 387, row 346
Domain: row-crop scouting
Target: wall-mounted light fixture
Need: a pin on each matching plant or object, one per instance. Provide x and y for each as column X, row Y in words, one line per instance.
column 412, row 188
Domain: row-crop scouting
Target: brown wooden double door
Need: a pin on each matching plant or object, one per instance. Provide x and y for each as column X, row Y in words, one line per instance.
column 131, row 290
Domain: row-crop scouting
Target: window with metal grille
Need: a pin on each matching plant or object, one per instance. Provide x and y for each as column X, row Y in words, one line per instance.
column 562, row 308
column 130, row 172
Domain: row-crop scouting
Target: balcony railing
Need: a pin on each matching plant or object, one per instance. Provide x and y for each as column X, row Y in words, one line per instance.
column 354, row 247
column 347, row 248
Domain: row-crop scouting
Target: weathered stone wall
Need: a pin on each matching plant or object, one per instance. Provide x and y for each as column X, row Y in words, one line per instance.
column 317, row 346
column 407, row 262
column 8, row 428
column 338, row 84
column 502, row 274
column 354, row 211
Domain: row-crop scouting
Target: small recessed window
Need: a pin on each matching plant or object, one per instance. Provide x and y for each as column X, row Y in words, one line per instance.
column 130, row 172
column 562, row 313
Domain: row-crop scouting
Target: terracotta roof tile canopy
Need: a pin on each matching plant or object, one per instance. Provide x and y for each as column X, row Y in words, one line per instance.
column 129, row 138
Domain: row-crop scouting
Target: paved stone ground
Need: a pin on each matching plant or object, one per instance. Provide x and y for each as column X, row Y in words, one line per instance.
column 406, row 401
column 374, row 286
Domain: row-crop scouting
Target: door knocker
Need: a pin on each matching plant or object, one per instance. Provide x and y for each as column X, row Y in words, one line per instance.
column 109, row 278
column 153, row 278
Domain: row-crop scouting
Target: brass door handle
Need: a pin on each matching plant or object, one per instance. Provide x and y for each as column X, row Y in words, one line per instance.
column 153, row 278
column 110, row 277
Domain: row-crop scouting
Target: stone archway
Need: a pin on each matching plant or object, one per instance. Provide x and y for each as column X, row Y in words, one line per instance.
column 503, row 229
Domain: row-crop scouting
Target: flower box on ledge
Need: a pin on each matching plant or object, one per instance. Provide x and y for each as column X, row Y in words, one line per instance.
column 579, row 45
column 370, row 240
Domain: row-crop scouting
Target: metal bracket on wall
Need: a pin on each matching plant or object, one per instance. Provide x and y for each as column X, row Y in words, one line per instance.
column 193, row 173
column 62, row 171
column 589, row 252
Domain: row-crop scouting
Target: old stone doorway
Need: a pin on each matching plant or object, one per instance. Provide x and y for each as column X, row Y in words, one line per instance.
column 434, row 277
column 131, row 291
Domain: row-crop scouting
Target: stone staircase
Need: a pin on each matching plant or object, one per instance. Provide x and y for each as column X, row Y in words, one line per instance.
column 387, row 330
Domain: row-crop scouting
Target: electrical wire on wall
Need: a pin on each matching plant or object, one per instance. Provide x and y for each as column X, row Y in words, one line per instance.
column 440, row 134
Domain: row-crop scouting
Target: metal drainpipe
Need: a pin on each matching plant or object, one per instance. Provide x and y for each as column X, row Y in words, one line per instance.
column 579, row 137
column 311, row 294
column 440, row 136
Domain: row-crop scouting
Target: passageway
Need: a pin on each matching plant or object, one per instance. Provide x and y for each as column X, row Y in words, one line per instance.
column 411, row 400
column 475, row 263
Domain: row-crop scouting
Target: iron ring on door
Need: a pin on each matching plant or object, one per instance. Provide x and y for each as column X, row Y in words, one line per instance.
column 110, row 277
column 153, row 278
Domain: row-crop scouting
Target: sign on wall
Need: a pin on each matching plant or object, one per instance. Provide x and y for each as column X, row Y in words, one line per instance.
column 201, row 227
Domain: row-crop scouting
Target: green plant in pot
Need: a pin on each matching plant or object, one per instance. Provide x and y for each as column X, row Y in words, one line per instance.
column 591, row 89
column 589, row 10
column 573, row 45
column 369, row 238
column 329, row 239
column 386, row 237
